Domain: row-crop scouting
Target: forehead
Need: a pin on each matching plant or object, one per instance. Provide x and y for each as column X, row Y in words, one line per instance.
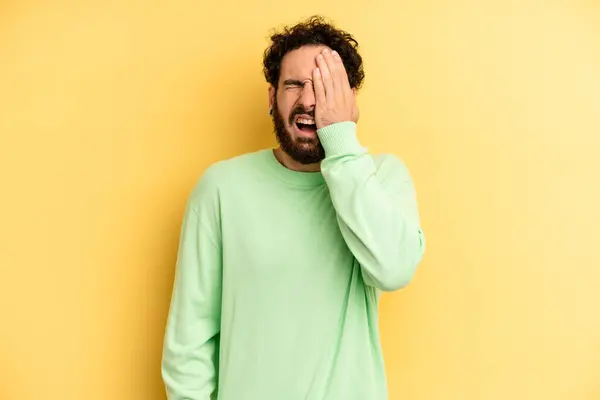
column 299, row 63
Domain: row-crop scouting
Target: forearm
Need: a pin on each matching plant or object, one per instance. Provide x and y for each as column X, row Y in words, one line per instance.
column 191, row 343
column 189, row 366
column 376, row 208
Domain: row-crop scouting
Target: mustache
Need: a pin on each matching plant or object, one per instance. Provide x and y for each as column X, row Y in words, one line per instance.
column 301, row 110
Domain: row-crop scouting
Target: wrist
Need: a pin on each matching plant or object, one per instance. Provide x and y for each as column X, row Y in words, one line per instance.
column 340, row 139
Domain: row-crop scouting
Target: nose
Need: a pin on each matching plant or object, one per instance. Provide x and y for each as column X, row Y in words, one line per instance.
column 307, row 96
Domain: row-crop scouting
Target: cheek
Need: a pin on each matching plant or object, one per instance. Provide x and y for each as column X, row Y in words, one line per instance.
column 286, row 103
column 284, row 112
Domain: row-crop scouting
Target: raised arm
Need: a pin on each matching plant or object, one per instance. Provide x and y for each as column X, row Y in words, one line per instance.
column 375, row 201
column 376, row 208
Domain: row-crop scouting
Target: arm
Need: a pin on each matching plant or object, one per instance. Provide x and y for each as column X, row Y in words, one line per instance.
column 376, row 208
column 191, row 343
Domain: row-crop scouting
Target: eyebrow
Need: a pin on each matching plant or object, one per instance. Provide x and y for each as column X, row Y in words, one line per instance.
column 293, row 82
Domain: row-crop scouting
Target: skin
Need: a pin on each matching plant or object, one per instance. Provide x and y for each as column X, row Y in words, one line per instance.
column 312, row 79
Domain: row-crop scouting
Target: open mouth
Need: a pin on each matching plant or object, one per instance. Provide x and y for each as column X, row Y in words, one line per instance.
column 305, row 124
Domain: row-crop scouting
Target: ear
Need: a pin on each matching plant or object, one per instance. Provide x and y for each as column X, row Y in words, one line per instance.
column 272, row 93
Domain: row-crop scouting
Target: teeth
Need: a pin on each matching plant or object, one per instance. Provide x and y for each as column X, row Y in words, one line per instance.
column 306, row 121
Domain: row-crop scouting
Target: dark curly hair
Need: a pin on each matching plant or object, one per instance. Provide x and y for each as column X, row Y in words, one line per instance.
column 313, row 31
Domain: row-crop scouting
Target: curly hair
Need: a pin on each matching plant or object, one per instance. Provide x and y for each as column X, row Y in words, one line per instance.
column 313, row 31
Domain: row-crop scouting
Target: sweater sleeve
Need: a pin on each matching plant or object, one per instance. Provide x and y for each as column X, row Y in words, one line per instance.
column 376, row 208
column 191, row 343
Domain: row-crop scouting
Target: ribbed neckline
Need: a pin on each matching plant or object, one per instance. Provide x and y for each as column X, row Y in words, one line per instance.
column 291, row 177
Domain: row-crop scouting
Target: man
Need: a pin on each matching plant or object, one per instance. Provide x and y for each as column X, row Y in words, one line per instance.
column 283, row 253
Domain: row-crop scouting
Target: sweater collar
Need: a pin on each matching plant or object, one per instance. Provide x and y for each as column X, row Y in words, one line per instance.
column 291, row 177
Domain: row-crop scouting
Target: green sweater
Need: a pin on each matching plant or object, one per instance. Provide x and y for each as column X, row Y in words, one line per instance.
column 279, row 274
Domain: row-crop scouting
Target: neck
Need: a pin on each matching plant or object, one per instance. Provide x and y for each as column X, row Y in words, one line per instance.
column 294, row 165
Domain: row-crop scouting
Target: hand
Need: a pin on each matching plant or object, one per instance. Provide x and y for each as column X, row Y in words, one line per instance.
column 335, row 100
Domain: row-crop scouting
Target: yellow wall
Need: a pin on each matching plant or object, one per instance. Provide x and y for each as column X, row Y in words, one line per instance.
column 109, row 111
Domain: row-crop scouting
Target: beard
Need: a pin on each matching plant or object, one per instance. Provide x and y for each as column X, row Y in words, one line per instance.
column 302, row 149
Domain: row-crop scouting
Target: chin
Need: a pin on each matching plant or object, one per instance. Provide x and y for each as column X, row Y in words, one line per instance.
column 302, row 146
column 306, row 153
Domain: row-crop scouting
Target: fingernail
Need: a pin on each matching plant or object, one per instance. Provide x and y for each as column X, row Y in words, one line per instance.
column 317, row 71
column 325, row 51
column 335, row 53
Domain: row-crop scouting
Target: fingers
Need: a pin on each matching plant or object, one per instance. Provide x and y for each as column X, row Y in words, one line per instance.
column 340, row 74
column 336, row 70
column 333, row 94
column 333, row 72
column 326, row 76
column 319, row 88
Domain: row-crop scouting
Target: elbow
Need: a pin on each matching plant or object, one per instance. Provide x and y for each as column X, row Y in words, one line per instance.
column 395, row 279
column 390, row 276
column 398, row 282
column 396, row 273
column 402, row 271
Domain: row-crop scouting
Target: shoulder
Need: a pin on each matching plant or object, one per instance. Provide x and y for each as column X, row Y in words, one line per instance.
column 222, row 174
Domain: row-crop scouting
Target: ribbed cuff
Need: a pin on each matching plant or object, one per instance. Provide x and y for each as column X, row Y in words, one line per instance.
column 340, row 139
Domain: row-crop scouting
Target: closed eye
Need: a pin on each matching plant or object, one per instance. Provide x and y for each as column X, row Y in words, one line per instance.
column 293, row 84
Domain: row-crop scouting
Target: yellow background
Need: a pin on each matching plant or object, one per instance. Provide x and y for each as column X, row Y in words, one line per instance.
column 110, row 110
